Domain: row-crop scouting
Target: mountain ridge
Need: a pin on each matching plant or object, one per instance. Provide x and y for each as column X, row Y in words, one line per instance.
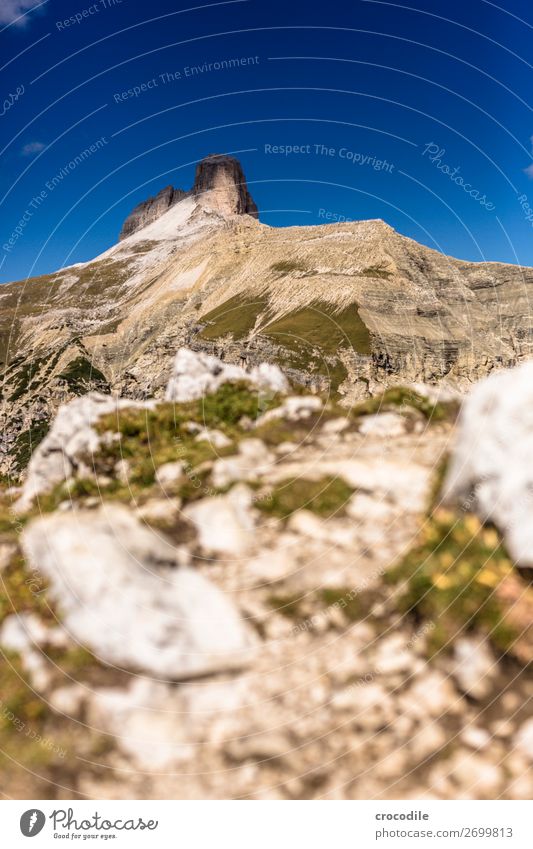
column 219, row 184
column 348, row 308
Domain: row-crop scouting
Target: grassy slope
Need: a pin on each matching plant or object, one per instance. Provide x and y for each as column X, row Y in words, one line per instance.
column 310, row 338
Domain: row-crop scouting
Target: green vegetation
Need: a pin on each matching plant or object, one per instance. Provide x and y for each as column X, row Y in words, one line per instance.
column 25, row 376
column 401, row 397
column 22, row 590
column 320, row 326
column 287, row 265
column 16, row 698
column 142, row 247
column 25, row 735
column 33, row 739
column 280, row 430
column 99, row 278
column 289, row 606
column 29, row 297
column 81, row 376
column 87, row 286
column 460, row 578
column 149, row 438
column 312, row 338
column 326, row 497
column 306, row 610
column 31, row 734
column 26, row 443
column 346, row 600
column 231, row 403
column 237, row 316
column 378, row 270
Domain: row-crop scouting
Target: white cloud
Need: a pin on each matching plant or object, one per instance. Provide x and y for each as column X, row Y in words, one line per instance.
column 11, row 10
column 32, row 147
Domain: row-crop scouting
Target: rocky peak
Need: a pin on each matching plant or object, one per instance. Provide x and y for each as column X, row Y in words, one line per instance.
column 219, row 185
column 150, row 209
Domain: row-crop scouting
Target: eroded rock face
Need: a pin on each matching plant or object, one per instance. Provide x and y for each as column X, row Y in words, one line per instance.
column 349, row 307
column 220, row 184
column 122, row 595
column 150, row 209
column 491, row 470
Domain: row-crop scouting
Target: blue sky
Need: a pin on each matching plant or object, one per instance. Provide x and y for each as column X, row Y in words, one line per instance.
column 416, row 113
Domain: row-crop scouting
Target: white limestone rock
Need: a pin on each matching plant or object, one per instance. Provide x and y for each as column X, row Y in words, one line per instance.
column 195, row 375
column 431, row 695
column 474, row 666
column 492, row 470
column 224, row 523
column 523, row 739
column 146, row 721
column 269, row 379
column 253, row 460
column 215, row 437
column 159, row 725
column 383, row 425
column 71, row 437
column 121, row 594
column 293, row 409
column 170, row 474
column 21, row 632
column 69, row 700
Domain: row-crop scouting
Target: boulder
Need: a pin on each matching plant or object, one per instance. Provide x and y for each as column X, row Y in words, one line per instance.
column 252, row 461
column 170, row 474
column 71, row 438
column 523, row 740
column 491, row 472
column 474, row 667
column 383, row 425
column 195, row 375
column 293, row 409
column 224, row 523
column 121, row 594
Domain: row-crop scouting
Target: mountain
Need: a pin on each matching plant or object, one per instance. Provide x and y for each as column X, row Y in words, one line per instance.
column 346, row 307
column 217, row 584
column 219, row 184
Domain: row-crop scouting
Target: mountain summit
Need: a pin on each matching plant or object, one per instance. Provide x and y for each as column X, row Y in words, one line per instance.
column 348, row 308
column 219, row 186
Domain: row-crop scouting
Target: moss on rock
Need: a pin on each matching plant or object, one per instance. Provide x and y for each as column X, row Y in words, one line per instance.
column 402, row 398
column 326, row 497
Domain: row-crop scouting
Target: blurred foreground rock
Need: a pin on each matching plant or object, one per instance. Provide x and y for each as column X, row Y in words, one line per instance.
column 254, row 594
column 122, row 594
column 492, row 468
